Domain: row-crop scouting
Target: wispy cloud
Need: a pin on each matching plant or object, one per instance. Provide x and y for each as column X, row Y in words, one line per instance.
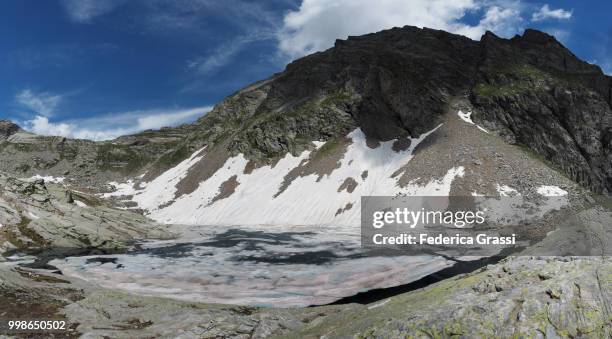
column 224, row 54
column 111, row 126
column 41, row 125
column 245, row 22
column 195, row 15
column 40, row 103
column 546, row 13
column 85, row 11
column 249, row 22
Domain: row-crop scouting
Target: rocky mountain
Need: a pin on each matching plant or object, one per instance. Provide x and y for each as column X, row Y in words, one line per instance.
column 344, row 122
column 392, row 85
column 405, row 111
column 401, row 112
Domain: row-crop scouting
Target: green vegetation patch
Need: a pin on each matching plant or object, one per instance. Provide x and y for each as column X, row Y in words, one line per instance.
column 519, row 79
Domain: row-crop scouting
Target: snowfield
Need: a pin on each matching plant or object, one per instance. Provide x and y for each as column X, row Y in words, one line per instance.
column 308, row 200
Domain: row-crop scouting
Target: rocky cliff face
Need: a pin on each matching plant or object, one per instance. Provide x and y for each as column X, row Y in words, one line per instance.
column 534, row 92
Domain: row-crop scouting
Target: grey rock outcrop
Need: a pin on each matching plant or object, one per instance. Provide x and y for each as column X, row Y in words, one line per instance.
column 35, row 214
column 520, row 297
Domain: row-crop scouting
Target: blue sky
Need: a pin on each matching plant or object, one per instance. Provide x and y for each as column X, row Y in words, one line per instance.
column 101, row 68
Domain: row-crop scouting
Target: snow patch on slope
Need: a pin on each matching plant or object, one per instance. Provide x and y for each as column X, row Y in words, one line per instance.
column 551, row 191
column 513, row 207
column 556, row 197
column 467, row 117
column 162, row 190
column 440, row 187
column 49, row 178
column 506, row 191
column 121, row 189
column 308, row 200
column 482, row 129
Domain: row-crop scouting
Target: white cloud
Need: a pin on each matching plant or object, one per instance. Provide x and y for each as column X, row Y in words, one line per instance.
column 40, row 103
column 504, row 21
column 546, row 13
column 318, row 23
column 84, row 11
column 113, row 125
column 158, row 119
column 41, row 125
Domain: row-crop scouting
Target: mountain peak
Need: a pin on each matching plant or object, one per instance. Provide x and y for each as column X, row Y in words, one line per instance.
column 489, row 35
column 8, row 128
column 538, row 37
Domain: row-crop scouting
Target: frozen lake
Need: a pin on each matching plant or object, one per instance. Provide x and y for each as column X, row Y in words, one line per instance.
column 252, row 267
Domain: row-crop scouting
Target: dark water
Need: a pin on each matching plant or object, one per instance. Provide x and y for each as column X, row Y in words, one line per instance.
column 461, row 267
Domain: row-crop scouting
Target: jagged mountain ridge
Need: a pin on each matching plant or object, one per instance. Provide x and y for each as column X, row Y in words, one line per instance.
column 393, row 84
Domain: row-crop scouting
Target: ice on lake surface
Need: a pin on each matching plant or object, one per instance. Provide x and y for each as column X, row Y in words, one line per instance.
column 252, row 267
